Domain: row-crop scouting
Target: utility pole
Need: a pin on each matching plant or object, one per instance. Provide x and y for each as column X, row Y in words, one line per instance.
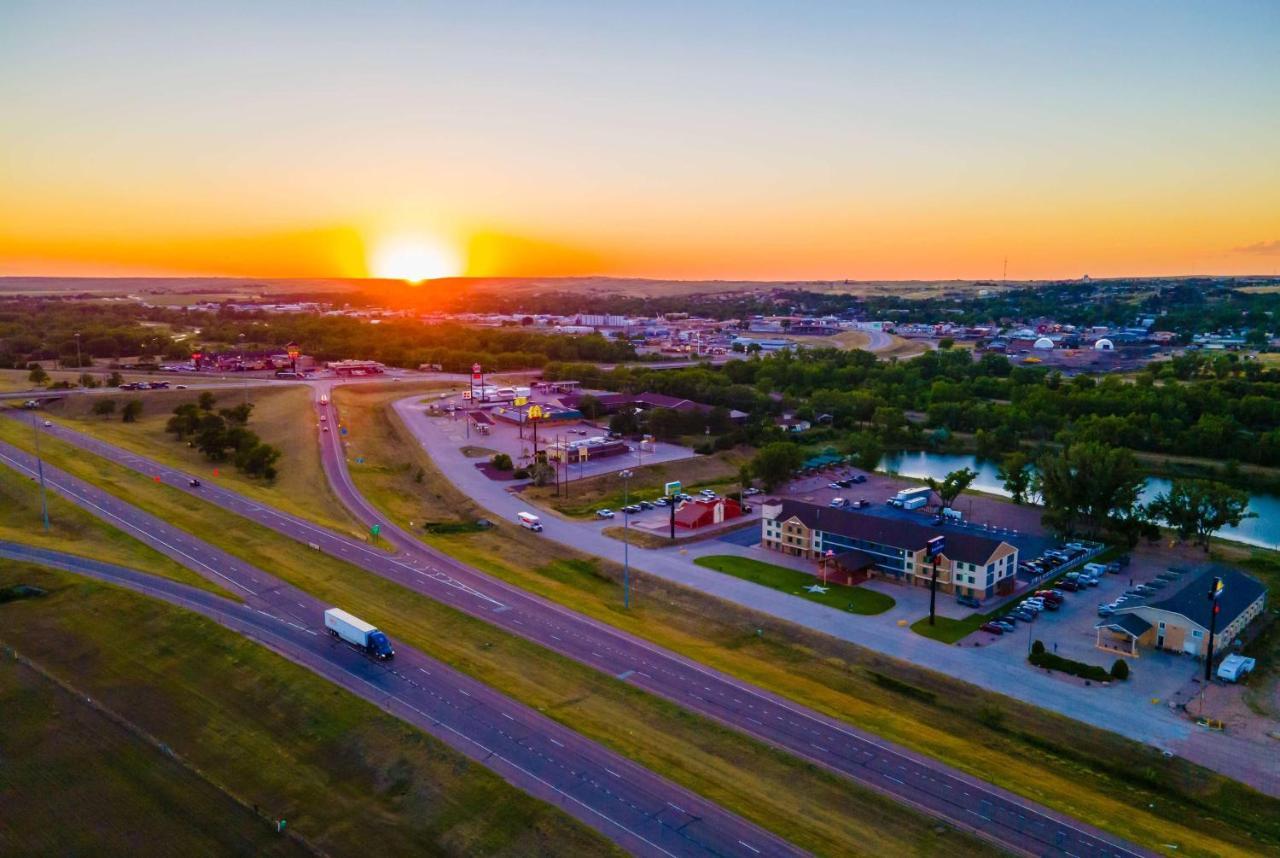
column 1214, row 592
column 44, row 499
column 626, row 540
column 79, row 362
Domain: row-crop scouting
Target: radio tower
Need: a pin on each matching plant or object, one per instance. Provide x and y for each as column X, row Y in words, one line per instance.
column 1005, row 276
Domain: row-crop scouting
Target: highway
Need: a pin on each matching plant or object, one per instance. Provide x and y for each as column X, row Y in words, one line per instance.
column 644, row 813
column 1010, row 821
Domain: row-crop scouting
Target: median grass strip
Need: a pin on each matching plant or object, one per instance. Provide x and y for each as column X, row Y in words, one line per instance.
column 857, row 600
column 816, row 810
column 247, row 728
column 77, row 531
column 1114, row 783
column 283, row 417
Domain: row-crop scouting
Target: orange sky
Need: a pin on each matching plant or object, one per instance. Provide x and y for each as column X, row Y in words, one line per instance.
column 735, row 142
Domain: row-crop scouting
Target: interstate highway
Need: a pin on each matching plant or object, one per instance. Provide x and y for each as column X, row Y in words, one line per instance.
column 923, row 783
column 641, row 811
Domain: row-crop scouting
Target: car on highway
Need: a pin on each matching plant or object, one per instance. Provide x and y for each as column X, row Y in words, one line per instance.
column 48, row 423
column 836, row 486
column 993, row 628
column 604, row 513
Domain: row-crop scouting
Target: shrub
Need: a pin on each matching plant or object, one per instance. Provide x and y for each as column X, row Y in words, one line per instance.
column 1037, row 648
column 520, row 474
column 501, row 461
column 1120, row 670
column 1049, row 661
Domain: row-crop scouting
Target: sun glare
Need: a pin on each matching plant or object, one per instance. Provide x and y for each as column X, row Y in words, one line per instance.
column 414, row 259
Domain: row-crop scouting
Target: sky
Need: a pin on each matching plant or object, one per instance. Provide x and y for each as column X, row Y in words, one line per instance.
column 703, row 140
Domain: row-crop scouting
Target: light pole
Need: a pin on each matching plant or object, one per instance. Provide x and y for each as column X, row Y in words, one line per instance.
column 79, row 363
column 244, row 382
column 44, row 501
column 626, row 539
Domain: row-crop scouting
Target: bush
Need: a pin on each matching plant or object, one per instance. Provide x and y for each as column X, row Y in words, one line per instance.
column 501, row 461
column 1120, row 670
column 1037, row 648
column 520, row 474
column 1049, row 661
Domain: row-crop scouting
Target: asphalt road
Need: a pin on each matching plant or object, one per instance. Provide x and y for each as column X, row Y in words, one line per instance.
column 913, row 779
column 642, row 812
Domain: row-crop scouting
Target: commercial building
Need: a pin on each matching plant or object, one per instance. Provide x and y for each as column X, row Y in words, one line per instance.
column 1176, row 617
column 851, row 545
column 703, row 512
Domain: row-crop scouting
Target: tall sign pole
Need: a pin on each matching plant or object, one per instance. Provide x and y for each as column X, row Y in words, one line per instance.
column 477, row 377
column 294, row 353
column 934, row 548
column 1214, row 592
column 44, row 500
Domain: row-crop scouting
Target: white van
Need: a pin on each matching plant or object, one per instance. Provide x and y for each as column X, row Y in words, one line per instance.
column 530, row 521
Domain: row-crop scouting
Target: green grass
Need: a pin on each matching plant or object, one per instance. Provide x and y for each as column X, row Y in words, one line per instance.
column 815, row 809
column 76, row 531
column 282, row 416
column 248, row 728
column 858, row 600
column 1115, row 783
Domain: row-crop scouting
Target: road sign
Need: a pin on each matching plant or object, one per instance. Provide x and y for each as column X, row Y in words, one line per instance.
column 672, row 488
column 376, row 529
column 466, row 394
column 521, row 400
column 935, row 546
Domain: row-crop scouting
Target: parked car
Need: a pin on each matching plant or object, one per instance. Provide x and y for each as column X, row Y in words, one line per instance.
column 859, row 478
column 833, row 485
column 646, row 504
column 604, row 513
column 968, row 601
column 751, row 491
column 1024, row 614
column 993, row 628
column 631, row 509
column 1106, row 610
column 1004, row 624
column 1069, row 586
column 661, row 502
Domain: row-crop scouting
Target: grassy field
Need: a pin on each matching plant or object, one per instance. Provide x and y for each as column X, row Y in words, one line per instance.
column 248, row 728
column 282, row 416
column 858, row 600
column 845, row 340
column 718, row 472
column 818, row 811
column 1091, row 773
column 75, row 531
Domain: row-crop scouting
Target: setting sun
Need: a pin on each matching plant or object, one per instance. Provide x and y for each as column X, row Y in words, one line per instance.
column 414, row 259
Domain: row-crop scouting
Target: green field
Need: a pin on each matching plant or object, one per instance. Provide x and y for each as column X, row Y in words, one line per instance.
column 247, row 729
column 282, row 416
column 1096, row 775
column 857, row 600
column 809, row 806
column 76, row 531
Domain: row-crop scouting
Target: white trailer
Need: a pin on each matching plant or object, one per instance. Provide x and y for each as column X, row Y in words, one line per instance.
column 914, row 502
column 355, row 631
column 1235, row 667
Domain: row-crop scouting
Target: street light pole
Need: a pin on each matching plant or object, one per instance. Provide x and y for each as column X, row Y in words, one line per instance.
column 44, row 500
column 626, row 540
column 79, row 363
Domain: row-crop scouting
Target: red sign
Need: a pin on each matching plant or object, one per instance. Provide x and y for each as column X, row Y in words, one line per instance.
column 196, row 355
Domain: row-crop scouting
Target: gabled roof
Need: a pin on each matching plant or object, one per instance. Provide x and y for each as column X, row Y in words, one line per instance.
column 1129, row 623
column 965, row 547
column 1189, row 595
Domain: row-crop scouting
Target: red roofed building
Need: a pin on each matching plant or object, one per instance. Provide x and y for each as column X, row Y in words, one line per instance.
column 701, row 512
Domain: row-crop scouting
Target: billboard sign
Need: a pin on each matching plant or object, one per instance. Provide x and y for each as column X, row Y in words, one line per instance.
column 935, row 546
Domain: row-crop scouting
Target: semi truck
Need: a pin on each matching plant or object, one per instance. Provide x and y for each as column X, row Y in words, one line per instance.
column 358, row 633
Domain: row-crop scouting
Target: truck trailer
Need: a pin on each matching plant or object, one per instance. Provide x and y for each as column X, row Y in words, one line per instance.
column 358, row 633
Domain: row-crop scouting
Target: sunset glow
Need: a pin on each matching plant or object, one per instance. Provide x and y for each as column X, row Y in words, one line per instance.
column 837, row 140
column 414, row 259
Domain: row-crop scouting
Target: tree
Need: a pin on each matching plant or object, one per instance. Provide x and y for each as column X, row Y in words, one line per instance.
column 1017, row 475
column 1120, row 670
column 104, row 407
column 541, row 473
column 37, row 375
column 775, row 462
column 1200, row 508
column 866, row 449
column 132, row 409
column 206, row 401
column 1037, row 647
column 87, row 380
column 238, row 415
column 952, row 485
column 115, row 380
column 590, row 406
column 624, row 422
column 1091, row 486
column 946, row 343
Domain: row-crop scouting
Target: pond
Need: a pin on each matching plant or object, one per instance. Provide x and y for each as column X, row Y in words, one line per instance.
column 1263, row 531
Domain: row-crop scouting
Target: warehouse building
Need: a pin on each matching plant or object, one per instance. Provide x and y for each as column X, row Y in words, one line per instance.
column 1176, row 617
